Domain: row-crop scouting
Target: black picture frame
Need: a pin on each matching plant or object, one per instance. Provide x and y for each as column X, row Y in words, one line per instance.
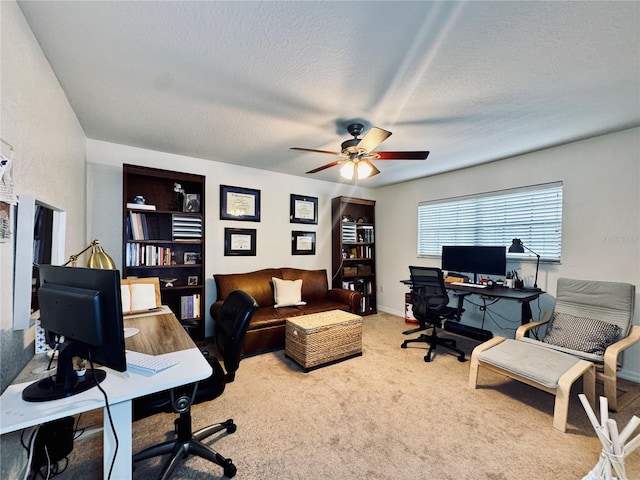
column 239, row 242
column 303, row 243
column 238, row 203
column 303, row 209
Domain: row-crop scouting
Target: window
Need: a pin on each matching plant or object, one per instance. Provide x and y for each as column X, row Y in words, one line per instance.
column 532, row 214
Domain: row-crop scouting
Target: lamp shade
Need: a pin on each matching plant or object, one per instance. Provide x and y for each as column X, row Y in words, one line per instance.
column 99, row 259
column 516, row 246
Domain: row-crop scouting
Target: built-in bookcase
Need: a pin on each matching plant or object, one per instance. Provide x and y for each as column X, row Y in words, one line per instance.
column 353, row 248
column 164, row 237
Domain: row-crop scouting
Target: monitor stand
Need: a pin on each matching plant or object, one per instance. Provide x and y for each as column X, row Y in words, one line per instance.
column 65, row 382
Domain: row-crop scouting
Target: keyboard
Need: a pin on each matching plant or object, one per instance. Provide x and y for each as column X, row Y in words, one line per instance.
column 148, row 364
column 472, row 285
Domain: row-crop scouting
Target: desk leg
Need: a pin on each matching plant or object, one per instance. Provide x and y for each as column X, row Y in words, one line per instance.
column 121, row 415
column 527, row 316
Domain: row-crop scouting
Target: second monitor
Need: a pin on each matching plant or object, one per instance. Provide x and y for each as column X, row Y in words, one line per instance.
column 478, row 260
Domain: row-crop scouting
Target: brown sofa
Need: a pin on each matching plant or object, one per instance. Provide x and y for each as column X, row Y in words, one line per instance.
column 267, row 327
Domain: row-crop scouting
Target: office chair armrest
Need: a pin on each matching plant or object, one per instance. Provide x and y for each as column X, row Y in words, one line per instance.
column 523, row 329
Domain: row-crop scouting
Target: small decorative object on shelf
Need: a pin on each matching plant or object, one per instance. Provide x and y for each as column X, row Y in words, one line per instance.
column 168, row 282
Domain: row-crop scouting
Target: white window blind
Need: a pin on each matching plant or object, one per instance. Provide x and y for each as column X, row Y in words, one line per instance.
column 532, row 214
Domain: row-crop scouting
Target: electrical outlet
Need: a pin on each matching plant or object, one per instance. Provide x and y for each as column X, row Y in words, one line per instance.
column 381, row 288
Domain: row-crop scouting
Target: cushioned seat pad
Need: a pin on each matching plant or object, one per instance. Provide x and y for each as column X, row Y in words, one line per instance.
column 539, row 364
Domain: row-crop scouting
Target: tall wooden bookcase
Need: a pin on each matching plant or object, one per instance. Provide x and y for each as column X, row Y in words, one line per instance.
column 165, row 237
column 353, row 248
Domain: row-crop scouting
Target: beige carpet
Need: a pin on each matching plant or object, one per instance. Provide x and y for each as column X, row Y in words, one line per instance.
column 385, row 415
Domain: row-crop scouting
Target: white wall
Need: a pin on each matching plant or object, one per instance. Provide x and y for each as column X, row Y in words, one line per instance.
column 601, row 222
column 273, row 231
column 49, row 155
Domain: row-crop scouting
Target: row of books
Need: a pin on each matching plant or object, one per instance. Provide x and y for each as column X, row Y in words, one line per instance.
column 138, row 227
column 190, row 306
column 365, row 233
column 138, row 254
column 362, row 251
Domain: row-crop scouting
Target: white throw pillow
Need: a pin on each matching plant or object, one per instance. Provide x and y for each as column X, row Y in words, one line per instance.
column 287, row 293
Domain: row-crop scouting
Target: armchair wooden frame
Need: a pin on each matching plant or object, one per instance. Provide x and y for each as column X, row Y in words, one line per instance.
column 606, row 372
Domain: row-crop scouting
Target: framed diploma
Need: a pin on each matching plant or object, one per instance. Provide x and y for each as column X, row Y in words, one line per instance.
column 240, row 242
column 303, row 209
column 303, row 243
column 238, row 203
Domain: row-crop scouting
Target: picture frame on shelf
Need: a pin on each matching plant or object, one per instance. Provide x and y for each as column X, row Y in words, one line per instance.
column 303, row 243
column 237, row 203
column 303, row 209
column 240, row 242
column 191, row 258
column 191, row 203
column 192, row 280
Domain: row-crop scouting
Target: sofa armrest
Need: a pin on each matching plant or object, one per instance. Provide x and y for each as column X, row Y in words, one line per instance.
column 524, row 329
column 342, row 295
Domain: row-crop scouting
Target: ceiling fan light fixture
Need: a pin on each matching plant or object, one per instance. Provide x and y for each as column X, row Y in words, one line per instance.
column 347, row 170
column 353, row 169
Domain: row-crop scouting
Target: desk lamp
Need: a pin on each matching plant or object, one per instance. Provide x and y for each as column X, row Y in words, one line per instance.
column 98, row 259
column 518, row 247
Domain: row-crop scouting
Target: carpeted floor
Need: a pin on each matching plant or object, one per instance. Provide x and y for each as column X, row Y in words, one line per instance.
column 385, row 415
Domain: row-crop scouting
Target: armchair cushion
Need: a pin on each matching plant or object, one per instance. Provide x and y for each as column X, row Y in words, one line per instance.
column 584, row 334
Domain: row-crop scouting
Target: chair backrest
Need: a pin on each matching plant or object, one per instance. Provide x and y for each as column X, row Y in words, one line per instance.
column 429, row 292
column 611, row 302
column 231, row 328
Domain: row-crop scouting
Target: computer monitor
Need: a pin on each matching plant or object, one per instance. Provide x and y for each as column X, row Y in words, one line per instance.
column 84, row 306
column 487, row 260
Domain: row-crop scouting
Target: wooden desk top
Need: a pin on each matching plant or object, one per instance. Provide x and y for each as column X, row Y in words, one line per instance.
column 159, row 333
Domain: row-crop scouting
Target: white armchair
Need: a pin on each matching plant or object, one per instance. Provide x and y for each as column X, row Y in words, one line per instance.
column 591, row 325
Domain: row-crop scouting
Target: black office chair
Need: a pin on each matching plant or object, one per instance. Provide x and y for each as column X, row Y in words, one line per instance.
column 229, row 333
column 430, row 299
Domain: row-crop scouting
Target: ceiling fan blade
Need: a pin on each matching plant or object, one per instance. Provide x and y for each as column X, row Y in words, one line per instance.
column 374, row 170
column 328, row 165
column 402, row 155
column 313, row 150
column 373, row 138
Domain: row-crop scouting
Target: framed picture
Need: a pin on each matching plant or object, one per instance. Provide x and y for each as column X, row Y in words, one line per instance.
column 240, row 242
column 192, row 280
column 191, row 258
column 303, row 209
column 238, row 203
column 303, row 243
column 191, row 203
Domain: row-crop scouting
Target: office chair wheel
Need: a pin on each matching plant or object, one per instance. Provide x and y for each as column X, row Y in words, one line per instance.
column 232, row 428
column 404, row 345
column 461, row 358
column 230, row 469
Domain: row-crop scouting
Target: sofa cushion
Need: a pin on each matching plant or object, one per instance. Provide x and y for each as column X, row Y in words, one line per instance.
column 287, row 293
column 314, row 282
column 581, row 333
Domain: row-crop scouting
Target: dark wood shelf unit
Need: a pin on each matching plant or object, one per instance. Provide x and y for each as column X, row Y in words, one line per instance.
column 160, row 235
column 353, row 256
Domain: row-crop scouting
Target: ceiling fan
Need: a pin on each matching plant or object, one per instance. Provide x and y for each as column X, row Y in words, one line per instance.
column 356, row 154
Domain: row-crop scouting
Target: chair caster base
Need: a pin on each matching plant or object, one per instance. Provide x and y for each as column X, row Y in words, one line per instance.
column 230, row 469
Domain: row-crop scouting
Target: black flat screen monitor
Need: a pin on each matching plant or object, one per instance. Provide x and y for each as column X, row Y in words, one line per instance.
column 478, row 260
column 83, row 305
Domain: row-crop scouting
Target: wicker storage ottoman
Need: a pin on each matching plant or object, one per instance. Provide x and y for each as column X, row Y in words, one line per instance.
column 323, row 338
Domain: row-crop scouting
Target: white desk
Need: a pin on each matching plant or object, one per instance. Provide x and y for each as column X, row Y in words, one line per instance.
column 160, row 334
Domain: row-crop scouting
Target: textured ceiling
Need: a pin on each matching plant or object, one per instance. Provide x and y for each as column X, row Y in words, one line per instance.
column 241, row 82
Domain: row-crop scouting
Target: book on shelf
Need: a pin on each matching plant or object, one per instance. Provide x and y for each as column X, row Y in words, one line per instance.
column 140, row 206
column 190, row 306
